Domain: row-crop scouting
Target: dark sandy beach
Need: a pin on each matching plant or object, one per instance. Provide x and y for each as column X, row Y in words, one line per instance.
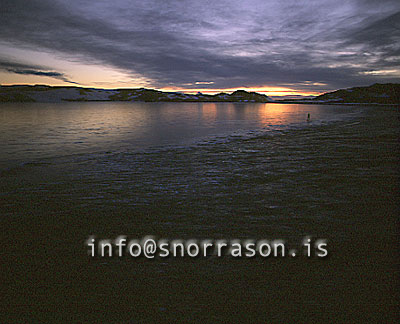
column 337, row 181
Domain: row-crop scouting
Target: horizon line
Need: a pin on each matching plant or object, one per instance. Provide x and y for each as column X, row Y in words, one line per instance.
column 273, row 93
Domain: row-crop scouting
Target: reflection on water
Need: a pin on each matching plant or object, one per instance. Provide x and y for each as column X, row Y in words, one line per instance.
column 335, row 181
column 32, row 131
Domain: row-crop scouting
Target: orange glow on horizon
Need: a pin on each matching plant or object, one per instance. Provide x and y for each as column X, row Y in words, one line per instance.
column 270, row 91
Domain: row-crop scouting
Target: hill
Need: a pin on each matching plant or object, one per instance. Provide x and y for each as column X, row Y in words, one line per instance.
column 388, row 93
column 43, row 93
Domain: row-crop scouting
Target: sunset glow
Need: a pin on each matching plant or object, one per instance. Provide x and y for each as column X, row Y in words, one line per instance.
column 270, row 91
column 262, row 46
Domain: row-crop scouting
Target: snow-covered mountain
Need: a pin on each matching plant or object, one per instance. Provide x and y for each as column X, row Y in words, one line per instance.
column 42, row 93
column 388, row 93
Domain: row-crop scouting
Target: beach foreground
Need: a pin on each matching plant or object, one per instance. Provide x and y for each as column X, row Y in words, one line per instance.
column 338, row 182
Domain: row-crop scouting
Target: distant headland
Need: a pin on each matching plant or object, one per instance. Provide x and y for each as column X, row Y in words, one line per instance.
column 388, row 94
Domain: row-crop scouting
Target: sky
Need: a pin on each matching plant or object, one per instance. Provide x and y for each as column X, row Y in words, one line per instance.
column 289, row 47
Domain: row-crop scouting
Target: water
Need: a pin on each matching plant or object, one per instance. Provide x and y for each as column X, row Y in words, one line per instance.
column 226, row 171
column 31, row 132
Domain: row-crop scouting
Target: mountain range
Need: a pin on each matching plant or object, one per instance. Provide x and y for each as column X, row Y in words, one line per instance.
column 388, row 93
column 43, row 93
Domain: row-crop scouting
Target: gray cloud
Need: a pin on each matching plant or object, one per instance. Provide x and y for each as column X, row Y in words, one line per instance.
column 26, row 69
column 231, row 43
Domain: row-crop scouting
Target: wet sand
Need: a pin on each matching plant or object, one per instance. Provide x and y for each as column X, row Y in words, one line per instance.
column 338, row 182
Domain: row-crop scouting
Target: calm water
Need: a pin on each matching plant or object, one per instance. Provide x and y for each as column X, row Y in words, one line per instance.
column 217, row 171
column 30, row 132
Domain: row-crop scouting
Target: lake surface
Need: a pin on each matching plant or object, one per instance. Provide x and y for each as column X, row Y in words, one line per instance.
column 33, row 131
column 202, row 171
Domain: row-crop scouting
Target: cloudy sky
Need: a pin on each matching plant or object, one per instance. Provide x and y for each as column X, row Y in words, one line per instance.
column 279, row 47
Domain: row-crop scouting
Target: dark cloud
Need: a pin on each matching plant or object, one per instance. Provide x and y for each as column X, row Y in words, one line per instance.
column 231, row 43
column 25, row 69
column 381, row 36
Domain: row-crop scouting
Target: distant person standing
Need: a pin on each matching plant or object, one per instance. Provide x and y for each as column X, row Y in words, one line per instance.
column 308, row 117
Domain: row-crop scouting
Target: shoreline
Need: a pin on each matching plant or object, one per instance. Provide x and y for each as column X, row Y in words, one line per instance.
column 190, row 101
column 337, row 182
column 385, row 94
